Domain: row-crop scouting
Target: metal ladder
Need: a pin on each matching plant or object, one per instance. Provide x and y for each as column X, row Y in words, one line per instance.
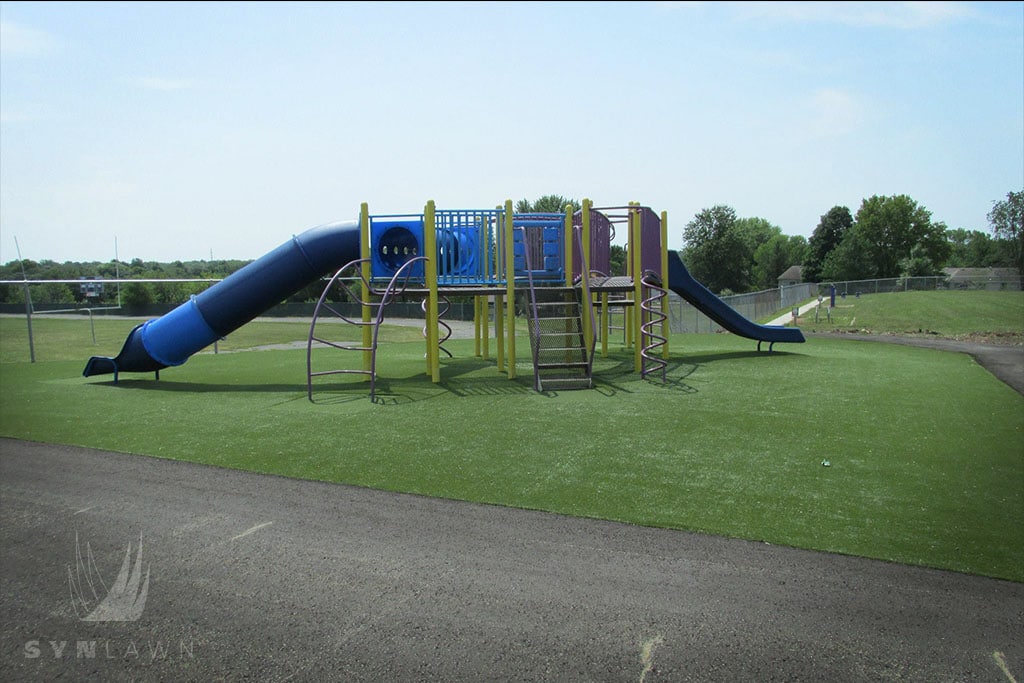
column 561, row 357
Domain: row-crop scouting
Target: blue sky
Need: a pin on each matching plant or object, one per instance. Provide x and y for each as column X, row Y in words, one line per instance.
column 185, row 130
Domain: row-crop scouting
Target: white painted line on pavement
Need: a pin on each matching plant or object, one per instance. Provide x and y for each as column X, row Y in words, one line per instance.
column 251, row 531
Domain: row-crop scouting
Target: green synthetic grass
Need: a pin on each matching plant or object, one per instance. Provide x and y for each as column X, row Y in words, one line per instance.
column 925, row 448
column 946, row 313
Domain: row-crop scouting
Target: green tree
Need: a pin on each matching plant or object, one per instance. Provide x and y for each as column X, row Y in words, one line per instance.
column 890, row 227
column 52, row 293
column 716, row 251
column 850, row 260
column 826, row 236
column 918, row 263
column 137, row 294
column 774, row 257
column 798, row 249
column 618, row 260
column 168, row 292
column 756, row 232
column 1007, row 221
column 549, row 203
column 11, row 294
column 976, row 249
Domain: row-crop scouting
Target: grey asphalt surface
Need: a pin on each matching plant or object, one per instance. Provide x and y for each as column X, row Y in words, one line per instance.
column 261, row 578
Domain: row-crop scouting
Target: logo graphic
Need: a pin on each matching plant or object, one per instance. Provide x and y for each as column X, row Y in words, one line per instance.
column 123, row 601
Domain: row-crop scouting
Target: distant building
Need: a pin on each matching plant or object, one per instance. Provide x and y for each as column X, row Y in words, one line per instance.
column 982, row 278
column 792, row 276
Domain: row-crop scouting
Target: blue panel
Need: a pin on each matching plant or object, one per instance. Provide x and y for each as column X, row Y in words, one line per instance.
column 458, row 250
column 392, row 244
column 177, row 335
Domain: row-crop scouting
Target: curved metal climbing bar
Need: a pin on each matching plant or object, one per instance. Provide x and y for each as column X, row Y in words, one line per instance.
column 652, row 317
column 346, row 282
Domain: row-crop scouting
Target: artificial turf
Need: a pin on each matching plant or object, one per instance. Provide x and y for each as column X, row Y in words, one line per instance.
column 924, row 449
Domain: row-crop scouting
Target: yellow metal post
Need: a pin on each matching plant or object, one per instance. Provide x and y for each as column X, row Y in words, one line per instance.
column 476, row 327
column 510, row 291
column 430, row 273
column 588, row 327
column 366, row 272
column 485, row 328
column 499, row 335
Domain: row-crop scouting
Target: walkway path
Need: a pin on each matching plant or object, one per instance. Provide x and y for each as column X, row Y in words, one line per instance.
column 788, row 317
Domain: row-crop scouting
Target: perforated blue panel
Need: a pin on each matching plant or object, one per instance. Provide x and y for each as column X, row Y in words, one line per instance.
column 392, row 243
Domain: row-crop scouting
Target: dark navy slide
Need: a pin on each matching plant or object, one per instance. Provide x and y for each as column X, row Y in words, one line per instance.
column 231, row 303
column 700, row 297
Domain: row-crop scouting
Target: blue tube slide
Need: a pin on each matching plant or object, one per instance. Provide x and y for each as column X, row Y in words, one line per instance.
column 233, row 302
column 682, row 283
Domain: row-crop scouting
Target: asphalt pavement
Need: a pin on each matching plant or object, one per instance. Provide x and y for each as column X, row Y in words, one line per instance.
column 246, row 577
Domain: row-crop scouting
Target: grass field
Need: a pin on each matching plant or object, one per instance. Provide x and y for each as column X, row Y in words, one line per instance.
column 953, row 314
column 925, row 449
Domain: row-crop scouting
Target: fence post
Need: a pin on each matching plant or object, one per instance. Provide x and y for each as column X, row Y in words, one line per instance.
column 28, row 319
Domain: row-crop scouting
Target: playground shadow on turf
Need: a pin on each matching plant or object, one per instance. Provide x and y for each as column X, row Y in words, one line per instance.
column 701, row 359
column 464, row 377
column 201, row 388
column 620, row 378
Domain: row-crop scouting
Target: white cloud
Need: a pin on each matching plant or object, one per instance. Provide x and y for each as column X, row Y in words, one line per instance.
column 898, row 15
column 18, row 40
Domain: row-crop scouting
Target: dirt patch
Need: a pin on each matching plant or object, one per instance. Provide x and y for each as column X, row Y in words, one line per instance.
column 992, row 338
column 986, row 338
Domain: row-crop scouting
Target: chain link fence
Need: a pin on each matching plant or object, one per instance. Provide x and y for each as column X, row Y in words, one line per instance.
column 932, row 282
column 775, row 302
column 755, row 306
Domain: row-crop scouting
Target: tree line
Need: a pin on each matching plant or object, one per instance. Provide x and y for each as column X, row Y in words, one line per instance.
column 135, row 293
column 888, row 237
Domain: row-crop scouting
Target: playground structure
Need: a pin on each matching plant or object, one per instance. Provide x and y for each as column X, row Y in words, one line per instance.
column 555, row 266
